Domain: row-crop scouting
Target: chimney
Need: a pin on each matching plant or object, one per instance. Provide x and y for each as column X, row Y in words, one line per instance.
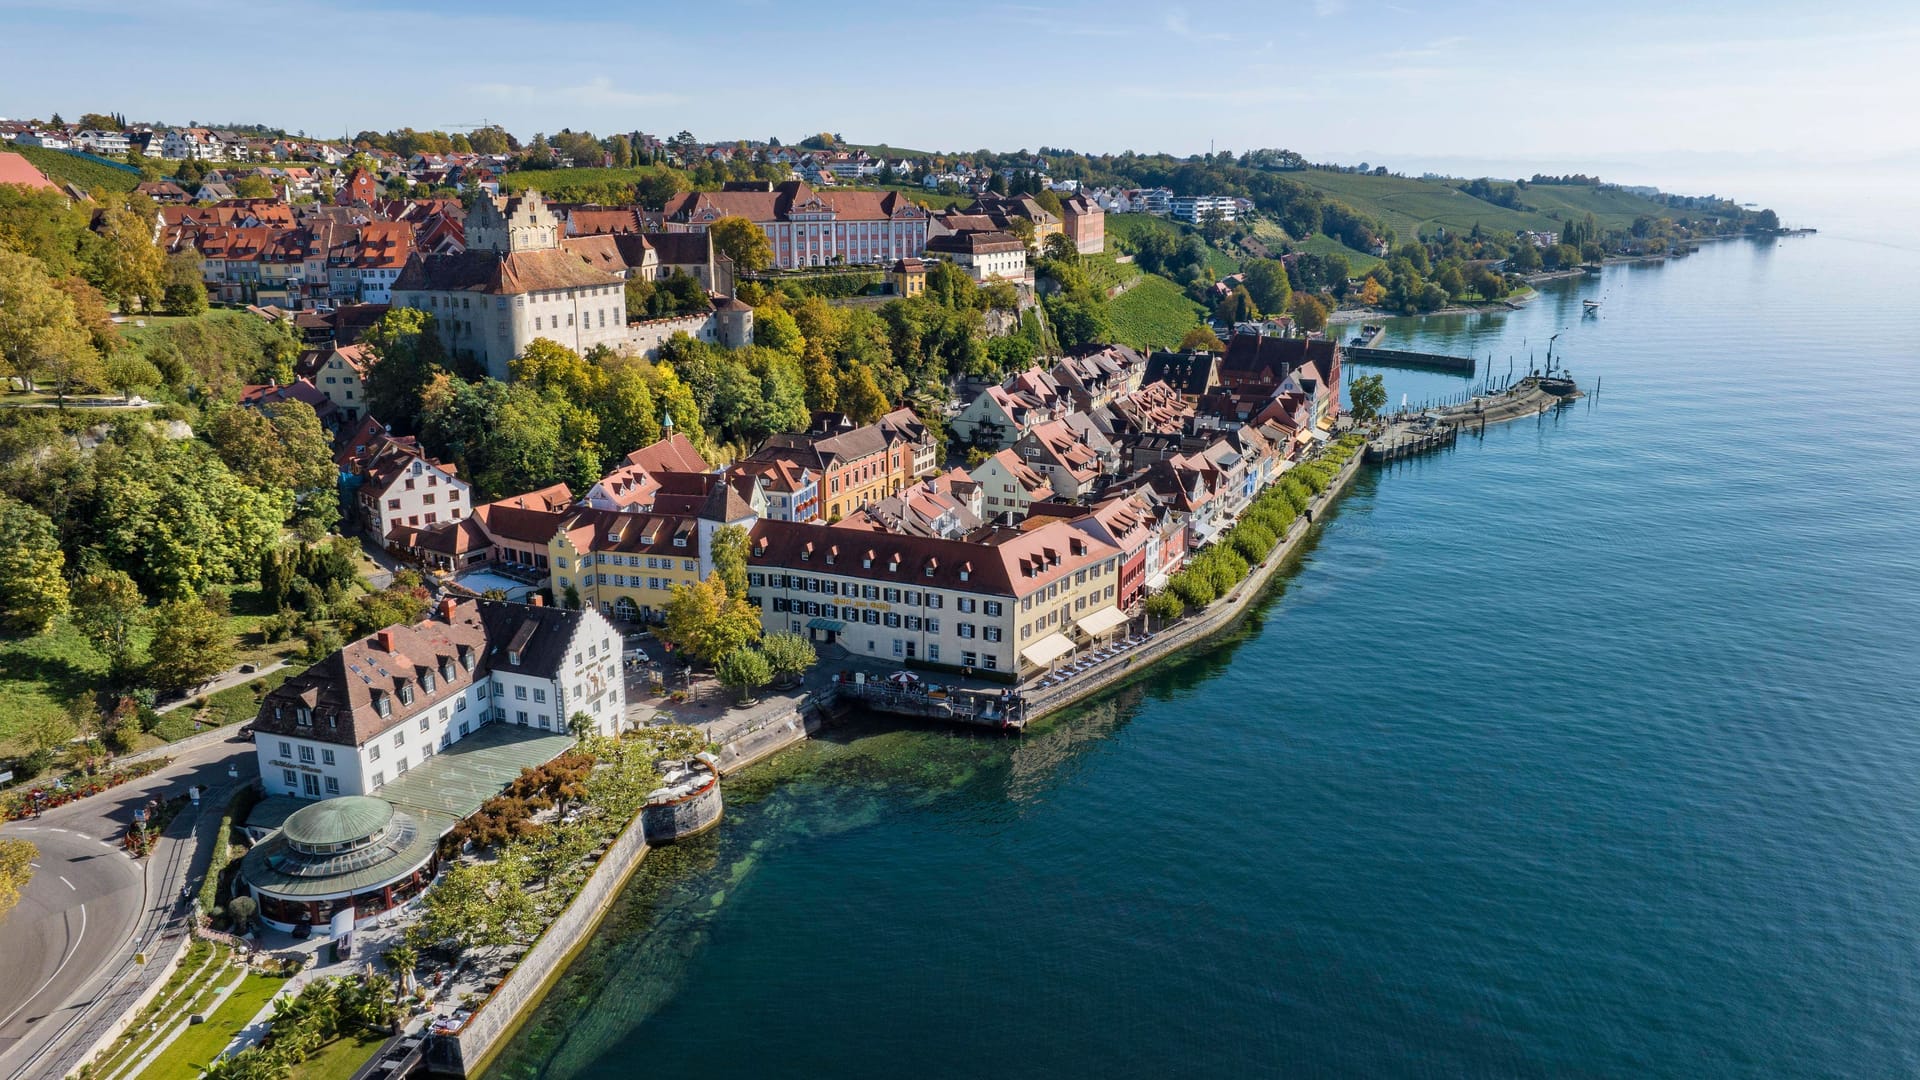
column 537, row 600
column 446, row 609
column 385, row 640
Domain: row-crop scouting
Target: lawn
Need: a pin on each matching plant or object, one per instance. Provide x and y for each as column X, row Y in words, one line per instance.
column 337, row 1060
column 1153, row 314
column 1322, row 244
column 39, row 675
column 199, row 1044
column 1127, row 227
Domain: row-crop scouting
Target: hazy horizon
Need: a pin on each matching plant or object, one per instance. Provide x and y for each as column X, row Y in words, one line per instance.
column 1693, row 99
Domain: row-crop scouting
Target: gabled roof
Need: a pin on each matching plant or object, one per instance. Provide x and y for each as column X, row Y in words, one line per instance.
column 675, row 453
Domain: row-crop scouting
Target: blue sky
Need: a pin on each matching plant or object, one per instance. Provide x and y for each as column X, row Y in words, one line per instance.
column 1638, row 90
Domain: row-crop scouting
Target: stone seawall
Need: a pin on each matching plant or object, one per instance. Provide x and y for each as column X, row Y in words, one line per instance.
column 468, row 1051
column 684, row 817
column 1192, row 630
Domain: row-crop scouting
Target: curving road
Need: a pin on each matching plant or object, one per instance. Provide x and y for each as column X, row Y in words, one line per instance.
column 72, row 921
column 65, row 950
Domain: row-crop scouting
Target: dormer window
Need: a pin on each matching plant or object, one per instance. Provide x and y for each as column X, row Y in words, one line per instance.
column 303, row 716
column 446, row 668
column 406, row 693
column 383, row 704
column 428, row 682
column 513, row 657
column 466, row 658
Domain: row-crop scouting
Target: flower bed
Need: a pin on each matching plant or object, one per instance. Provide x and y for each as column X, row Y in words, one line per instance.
column 18, row 804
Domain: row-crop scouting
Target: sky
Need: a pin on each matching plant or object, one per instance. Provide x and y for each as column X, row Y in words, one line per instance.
column 1643, row 92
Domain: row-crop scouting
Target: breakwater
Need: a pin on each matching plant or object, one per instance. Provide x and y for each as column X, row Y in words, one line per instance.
column 1421, row 361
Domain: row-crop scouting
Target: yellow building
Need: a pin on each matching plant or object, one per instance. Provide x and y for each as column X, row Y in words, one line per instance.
column 909, row 277
column 625, row 565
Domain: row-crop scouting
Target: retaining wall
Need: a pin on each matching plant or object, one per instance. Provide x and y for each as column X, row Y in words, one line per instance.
column 1193, row 629
column 468, row 1051
column 681, row 818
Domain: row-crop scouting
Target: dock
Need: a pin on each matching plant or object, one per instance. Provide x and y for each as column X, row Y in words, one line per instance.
column 1409, row 434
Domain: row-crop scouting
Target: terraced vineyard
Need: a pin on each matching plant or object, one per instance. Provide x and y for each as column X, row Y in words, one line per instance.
column 64, row 168
column 1154, row 314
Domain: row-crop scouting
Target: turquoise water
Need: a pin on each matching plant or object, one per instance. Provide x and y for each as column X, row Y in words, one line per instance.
column 1589, row 747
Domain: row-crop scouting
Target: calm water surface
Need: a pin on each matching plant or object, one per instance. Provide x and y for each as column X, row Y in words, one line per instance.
column 1590, row 747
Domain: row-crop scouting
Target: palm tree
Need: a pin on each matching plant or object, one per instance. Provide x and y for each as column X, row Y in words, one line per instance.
column 401, row 960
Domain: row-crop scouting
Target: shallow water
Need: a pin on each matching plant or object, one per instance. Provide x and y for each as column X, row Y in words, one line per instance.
column 1589, row 747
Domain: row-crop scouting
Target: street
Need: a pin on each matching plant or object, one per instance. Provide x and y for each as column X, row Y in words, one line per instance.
column 69, row 940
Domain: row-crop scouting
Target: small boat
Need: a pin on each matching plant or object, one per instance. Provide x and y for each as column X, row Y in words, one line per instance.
column 1592, row 307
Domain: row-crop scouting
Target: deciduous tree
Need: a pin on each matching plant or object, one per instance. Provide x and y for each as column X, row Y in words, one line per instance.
column 190, row 644
column 744, row 671
column 33, row 587
column 743, row 242
column 705, row 622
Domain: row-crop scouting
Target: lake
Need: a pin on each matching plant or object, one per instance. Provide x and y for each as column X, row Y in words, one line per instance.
column 1587, row 747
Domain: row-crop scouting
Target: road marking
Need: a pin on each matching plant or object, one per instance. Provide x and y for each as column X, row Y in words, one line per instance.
column 4, row 1020
column 64, row 881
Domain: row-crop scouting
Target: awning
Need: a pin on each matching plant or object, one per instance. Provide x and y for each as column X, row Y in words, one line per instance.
column 834, row 625
column 1101, row 621
column 1047, row 649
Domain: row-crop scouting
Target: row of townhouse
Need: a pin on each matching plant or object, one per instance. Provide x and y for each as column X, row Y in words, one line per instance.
column 846, row 466
column 286, row 265
column 387, row 703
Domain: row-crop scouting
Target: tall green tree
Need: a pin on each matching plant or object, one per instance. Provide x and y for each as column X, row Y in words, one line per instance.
column 109, row 611
column 41, row 338
column 33, row 587
column 1266, row 282
column 728, row 549
column 410, row 355
column 743, row 242
column 1366, row 396
column 190, row 644
column 705, row 622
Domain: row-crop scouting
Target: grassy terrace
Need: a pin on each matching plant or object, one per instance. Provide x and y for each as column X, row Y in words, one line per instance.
column 39, row 675
column 199, row 1044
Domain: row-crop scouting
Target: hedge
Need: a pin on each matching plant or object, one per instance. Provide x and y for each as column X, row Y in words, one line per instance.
column 237, row 808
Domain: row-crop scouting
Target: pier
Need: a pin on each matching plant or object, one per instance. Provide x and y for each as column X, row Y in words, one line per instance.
column 1408, row 434
column 1452, row 365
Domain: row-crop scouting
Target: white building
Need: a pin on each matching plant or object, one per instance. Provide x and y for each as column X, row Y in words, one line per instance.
column 515, row 282
column 988, row 255
column 387, row 703
column 1195, row 209
column 1012, row 604
column 105, row 143
column 197, row 144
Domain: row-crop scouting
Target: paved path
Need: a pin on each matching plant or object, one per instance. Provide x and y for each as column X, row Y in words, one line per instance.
column 226, row 680
column 84, row 980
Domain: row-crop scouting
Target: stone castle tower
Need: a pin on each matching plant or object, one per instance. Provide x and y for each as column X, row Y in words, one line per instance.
column 523, row 223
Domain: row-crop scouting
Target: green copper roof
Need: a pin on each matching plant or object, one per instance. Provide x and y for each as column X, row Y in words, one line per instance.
column 338, row 821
